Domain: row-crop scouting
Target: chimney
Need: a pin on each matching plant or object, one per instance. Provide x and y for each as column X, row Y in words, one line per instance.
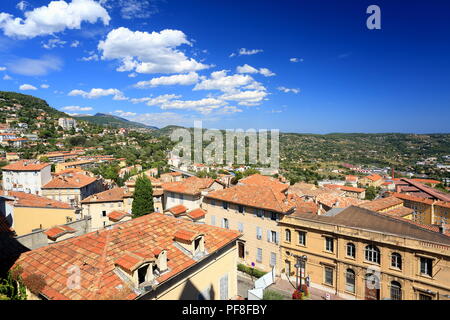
column 442, row 228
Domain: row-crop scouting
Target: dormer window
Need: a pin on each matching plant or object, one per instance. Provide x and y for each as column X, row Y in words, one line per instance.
column 190, row 241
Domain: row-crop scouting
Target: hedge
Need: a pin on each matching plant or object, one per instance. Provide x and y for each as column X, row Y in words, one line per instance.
column 251, row 271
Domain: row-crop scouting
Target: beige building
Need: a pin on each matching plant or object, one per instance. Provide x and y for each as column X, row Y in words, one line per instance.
column 71, row 188
column 374, row 180
column 99, row 205
column 254, row 208
column 81, row 164
column 26, row 212
column 154, row 257
column 361, row 254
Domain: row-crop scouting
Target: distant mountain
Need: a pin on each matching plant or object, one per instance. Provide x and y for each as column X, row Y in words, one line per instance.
column 114, row 121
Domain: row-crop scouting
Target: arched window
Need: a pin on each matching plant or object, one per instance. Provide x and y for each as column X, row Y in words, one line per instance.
column 288, row 235
column 350, row 280
column 372, row 254
column 351, row 250
column 396, row 290
column 396, row 260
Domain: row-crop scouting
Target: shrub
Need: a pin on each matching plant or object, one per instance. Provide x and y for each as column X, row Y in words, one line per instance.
column 251, row 271
column 272, row 295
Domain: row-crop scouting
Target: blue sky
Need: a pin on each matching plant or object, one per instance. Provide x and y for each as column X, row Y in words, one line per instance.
column 297, row 66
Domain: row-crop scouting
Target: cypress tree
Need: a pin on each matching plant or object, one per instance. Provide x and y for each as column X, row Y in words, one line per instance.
column 142, row 197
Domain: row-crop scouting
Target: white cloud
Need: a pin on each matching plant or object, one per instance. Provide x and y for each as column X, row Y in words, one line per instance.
column 163, row 119
column 22, row 5
column 132, row 75
column 27, row 87
column 246, row 98
column 56, row 17
column 136, row 9
column 122, row 113
column 6, row 77
column 221, row 81
column 2, row 68
column 249, row 69
column 296, row 60
column 45, row 86
column 92, row 56
column 75, row 44
column 287, row 90
column 98, row 92
column 203, row 106
column 35, row 67
column 145, row 52
column 76, row 108
column 53, row 43
column 156, row 101
column 229, row 110
column 177, row 79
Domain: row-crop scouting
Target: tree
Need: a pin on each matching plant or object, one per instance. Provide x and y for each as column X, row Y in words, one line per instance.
column 371, row 193
column 142, row 197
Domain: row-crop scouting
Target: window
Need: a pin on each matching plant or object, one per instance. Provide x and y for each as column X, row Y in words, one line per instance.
column 424, row 297
column 142, row 274
column 396, row 260
column 240, row 227
column 426, row 266
column 272, row 236
column 329, row 244
column 259, row 255
column 372, row 254
column 258, row 233
column 328, row 276
column 350, row 280
column 241, row 209
column 241, row 250
column 259, row 213
column 302, row 238
column 396, row 291
column 103, row 213
column 213, row 220
column 273, row 216
column 225, row 223
column 224, row 287
column 273, row 259
column 288, row 235
column 351, row 250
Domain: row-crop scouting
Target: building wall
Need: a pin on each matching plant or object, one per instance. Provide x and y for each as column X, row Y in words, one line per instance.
column 250, row 222
column 72, row 196
column 441, row 215
column 412, row 282
column 207, row 279
column 26, row 181
column 423, row 211
column 99, row 211
column 172, row 199
column 26, row 219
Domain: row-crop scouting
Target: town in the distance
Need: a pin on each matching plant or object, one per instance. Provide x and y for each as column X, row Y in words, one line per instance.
column 99, row 208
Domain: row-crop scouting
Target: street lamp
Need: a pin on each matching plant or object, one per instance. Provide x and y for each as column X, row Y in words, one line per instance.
column 299, row 265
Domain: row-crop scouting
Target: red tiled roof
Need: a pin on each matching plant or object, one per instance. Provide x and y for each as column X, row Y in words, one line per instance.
column 345, row 188
column 263, row 197
column 23, row 199
column 399, row 212
column 96, row 254
column 185, row 235
column 374, row 177
column 115, row 194
column 72, row 181
column 130, row 262
column 26, row 165
column 191, row 185
column 58, row 231
column 260, row 180
column 177, row 210
column 445, row 204
column 196, row 214
column 381, row 204
column 412, row 198
column 118, row 215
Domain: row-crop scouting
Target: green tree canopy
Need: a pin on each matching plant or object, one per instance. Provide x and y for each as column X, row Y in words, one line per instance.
column 142, row 197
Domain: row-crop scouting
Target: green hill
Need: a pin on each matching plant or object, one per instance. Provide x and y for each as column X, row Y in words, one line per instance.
column 113, row 121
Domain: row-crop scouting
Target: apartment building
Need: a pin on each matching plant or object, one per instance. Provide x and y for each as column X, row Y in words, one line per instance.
column 99, row 205
column 81, row 164
column 373, row 180
column 360, row 254
column 71, row 188
column 391, row 206
column 67, row 123
column 188, row 192
column 26, row 212
column 154, row 257
column 254, row 210
column 26, row 176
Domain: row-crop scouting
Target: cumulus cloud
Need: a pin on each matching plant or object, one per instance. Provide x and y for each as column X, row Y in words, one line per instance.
column 246, row 98
column 92, row 56
column 220, row 80
column 246, row 52
column 203, row 106
column 136, row 9
column 56, row 17
column 145, row 52
column 2, row 68
column 249, row 69
column 45, row 86
column 76, row 108
column 35, row 67
column 156, row 101
column 53, row 43
column 75, row 44
column 177, row 79
column 98, row 92
column 6, row 77
column 22, row 5
column 287, row 90
column 24, row 87
column 122, row 113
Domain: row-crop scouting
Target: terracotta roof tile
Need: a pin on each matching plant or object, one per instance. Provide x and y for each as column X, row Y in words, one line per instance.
column 196, row 214
column 191, row 185
column 118, row 215
column 115, row 194
column 26, row 165
column 58, row 231
column 177, row 210
column 260, row 180
column 23, row 199
column 96, row 254
column 69, row 181
column 381, row 204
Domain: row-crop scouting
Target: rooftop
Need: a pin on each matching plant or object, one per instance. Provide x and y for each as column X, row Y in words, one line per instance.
column 115, row 194
column 26, row 165
column 382, row 203
column 69, row 181
column 96, row 254
column 191, row 185
column 23, row 199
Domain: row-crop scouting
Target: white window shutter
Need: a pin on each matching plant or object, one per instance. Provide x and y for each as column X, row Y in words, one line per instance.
column 268, row 235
